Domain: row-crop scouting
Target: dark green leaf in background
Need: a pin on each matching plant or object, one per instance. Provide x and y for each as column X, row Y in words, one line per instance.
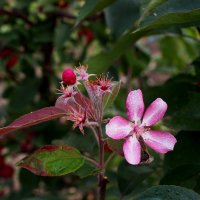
column 187, row 118
column 130, row 176
column 183, row 175
column 91, row 6
column 179, row 13
column 186, row 150
column 168, row 192
column 122, row 15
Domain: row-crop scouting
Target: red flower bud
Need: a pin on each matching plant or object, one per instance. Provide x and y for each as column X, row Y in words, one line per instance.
column 87, row 34
column 69, row 77
column 12, row 61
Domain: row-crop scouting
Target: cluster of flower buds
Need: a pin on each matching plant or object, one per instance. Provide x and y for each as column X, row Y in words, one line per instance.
column 83, row 110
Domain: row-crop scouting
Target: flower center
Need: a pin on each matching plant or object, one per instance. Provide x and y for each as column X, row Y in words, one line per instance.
column 67, row 93
column 138, row 129
column 104, row 87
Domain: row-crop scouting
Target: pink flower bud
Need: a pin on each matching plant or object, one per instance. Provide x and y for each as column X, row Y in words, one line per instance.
column 69, row 77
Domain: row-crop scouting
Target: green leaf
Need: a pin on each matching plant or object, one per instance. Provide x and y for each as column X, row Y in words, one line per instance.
column 183, row 83
column 137, row 59
column 187, row 50
column 170, row 14
column 179, row 13
column 130, row 176
column 86, row 170
column 168, row 192
column 149, row 6
column 110, row 97
column 184, row 175
column 188, row 117
column 196, row 64
column 53, row 160
column 91, row 6
column 186, row 151
column 62, row 34
column 44, row 198
column 104, row 60
column 122, row 16
column 15, row 97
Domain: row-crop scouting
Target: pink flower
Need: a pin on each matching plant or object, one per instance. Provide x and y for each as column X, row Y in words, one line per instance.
column 82, row 74
column 105, row 84
column 67, row 93
column 136, row 131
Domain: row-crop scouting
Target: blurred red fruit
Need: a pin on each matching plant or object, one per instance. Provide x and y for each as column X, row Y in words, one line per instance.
column 1, row 149
column 6, row 171
column 69, row 77
column 62, row 4
column 2, row 162
column 2, row 193
column 87, row 33
column 26, row 146
column 5, row 52
column 12, row 61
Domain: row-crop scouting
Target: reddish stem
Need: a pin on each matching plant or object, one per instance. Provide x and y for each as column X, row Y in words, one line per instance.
column 16, row 13
column 103, row 180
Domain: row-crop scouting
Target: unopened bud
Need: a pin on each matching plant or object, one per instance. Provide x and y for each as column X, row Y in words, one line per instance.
column 69, row 77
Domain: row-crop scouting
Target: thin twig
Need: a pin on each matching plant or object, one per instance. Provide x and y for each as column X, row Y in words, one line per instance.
column 60, row 14
column 95, row 134
column 16, row 13
column 94, row 162
column 103, row 180
column 109, row 159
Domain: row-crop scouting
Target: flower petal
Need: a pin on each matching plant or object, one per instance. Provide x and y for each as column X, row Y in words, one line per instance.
column 132, row 150
column 160, row 141
column 118, row 128
column 135, row 105
column 154, row 112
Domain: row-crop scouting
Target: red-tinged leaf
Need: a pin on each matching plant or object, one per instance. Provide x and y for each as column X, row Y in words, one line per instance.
column 77, row 102
column 36, row 117
column 53, row 160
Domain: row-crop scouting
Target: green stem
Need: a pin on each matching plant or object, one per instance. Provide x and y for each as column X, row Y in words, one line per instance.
column 94, row 162
column 109, row 159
